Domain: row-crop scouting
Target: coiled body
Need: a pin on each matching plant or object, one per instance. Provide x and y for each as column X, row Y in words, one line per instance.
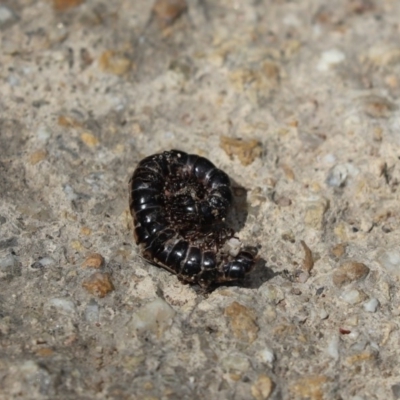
column 179, row 202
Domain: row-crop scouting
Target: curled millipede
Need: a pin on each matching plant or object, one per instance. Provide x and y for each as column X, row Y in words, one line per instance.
column 179, row 203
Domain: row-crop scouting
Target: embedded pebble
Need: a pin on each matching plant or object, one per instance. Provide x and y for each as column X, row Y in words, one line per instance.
column 333, row 347
column 89, row 139
column 352, row 296
column 28, row 379
column 247, row 151
column 371, row 305
column 340, row 173
column 242, row 321
column 43, row 262
column 338, row 250
column 323, row 314
column 155, row 316
column 378, row 107
column 309, row 387
column 65, row 306
column 92, row 312
column 70, row 193
column 367, row 355
column 232, row 246
column 37, row 156
column 396, row 390
column 308, row 261
column 235, row 362
column 390, row 259
column 167, row 11
column 7, row 17
column 47, row 261
column 43, row 133
column 98, row 284
column 337, row 176
column 266, row 355
column 8, row 261
column 262, row 388
column 11, row 242
column 330, row 58
column 383, row 55
column 94, row 260
column 354, row 334
column 349, row 272
column 315, row 211
column 272, row 293
column 63, row 5
column 111, row 62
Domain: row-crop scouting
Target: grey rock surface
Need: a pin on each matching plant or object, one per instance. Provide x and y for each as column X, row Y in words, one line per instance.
column 297, row 101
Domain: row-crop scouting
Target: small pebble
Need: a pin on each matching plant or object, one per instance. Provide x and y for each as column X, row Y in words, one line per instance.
column 8, row 261
column 112, row 62
column 65, row 306
column 330, row 58
column 352, row 296
column 37, row 156
column 371, row 305
column 86, row 231
column 43, row 133
column 396, row 391
column 11, row 242
column 233, row 246
column 47, row 261
column 92, row 312
column 378, row 107
column 360, row 345
column 262, row 388
column 308, row 261
column 63, row 5
column 243, row 322
column 338, row 250
column 329, row 158
column 323, row 314
column 272, row 294
column 390, row 259
column 235, row 362
column 308, row 387
column 6, row 16
column 94, row 260
column 315, row 211
column 32, row 380
column 70, row 193
column 354, row 334
column 167, row 11
column 267, row 355
column 333, row 347
column 89, row 139
column 98, row 284
column 43, row 262
column 337, row 176
column 13, row 80
column 154, row 317
column 349, row 272
column 246, row 151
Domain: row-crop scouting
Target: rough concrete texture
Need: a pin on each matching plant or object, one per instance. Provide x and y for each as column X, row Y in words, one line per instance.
column 297, row 102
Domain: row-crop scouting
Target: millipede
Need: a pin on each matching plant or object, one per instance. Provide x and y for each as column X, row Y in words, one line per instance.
column 179, row 203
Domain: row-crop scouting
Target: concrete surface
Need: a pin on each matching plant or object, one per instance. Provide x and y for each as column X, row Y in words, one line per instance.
column 297, row 102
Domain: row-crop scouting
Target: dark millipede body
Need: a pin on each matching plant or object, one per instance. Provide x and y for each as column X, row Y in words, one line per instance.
column 179, row 202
